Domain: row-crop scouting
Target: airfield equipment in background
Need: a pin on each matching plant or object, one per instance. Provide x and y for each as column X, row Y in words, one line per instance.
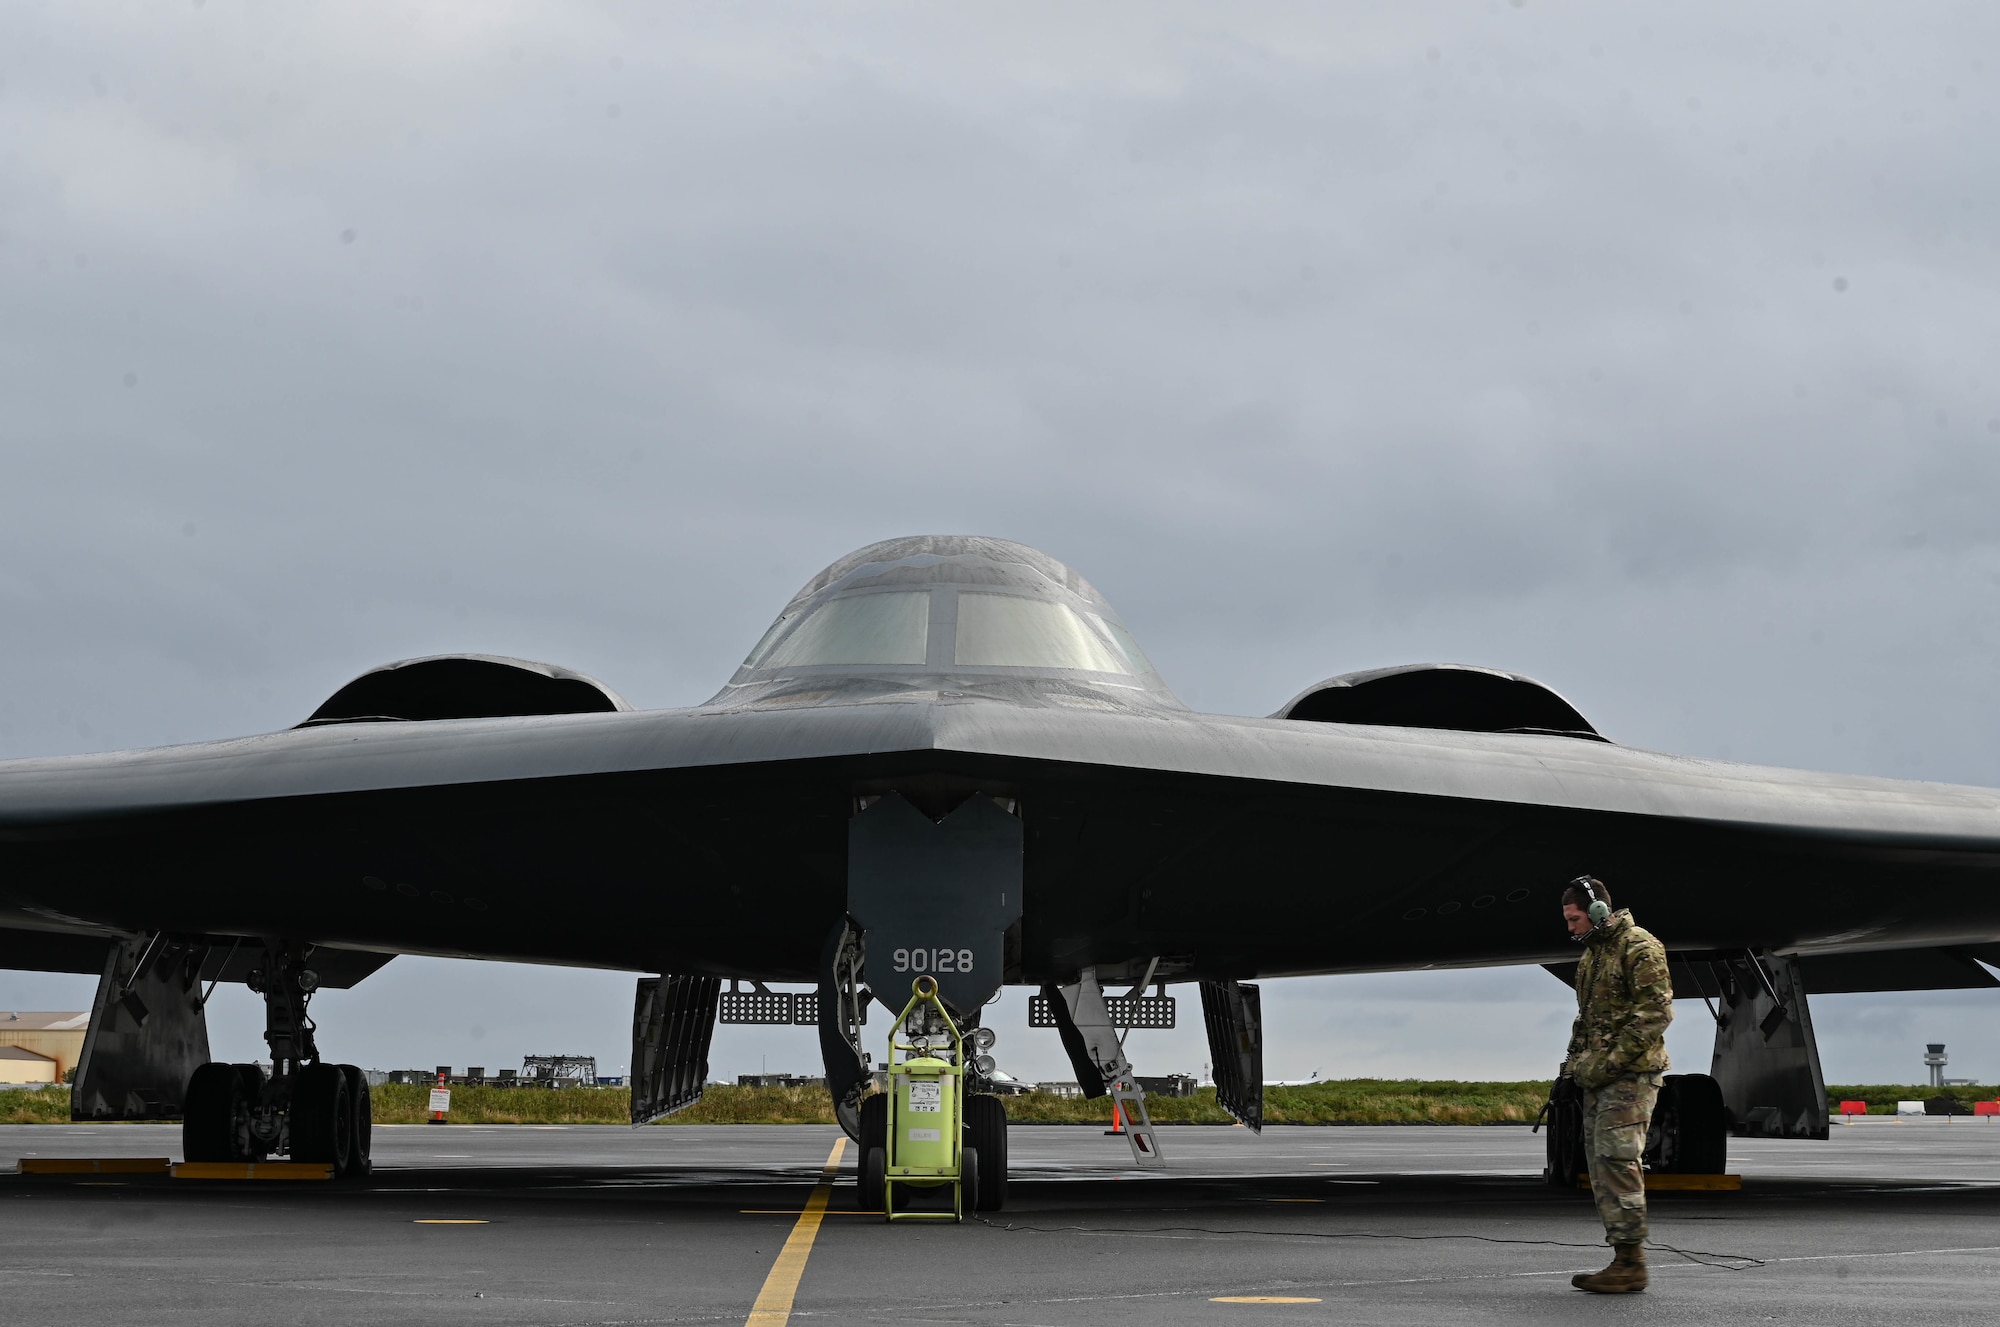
column 559, row 1071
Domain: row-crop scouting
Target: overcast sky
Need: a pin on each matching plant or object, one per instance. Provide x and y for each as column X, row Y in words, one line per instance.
column 1647, row 349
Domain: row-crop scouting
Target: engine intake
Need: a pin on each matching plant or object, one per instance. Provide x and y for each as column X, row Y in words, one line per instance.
column 465, row 686
column 1460, row 697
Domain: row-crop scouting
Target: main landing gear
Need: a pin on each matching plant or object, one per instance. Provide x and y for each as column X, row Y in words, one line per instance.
column 305, row 1108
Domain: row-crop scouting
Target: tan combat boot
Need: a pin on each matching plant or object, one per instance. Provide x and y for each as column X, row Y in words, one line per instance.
column 1626, row 1274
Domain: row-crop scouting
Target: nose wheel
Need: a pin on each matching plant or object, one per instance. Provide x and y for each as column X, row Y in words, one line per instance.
column 872, row 1176
column 986, row 1136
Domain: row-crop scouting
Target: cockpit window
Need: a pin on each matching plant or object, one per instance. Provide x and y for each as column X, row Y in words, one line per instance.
column 1009, row 631
column 764, row 642
column 1126, row 645
column 891, row 628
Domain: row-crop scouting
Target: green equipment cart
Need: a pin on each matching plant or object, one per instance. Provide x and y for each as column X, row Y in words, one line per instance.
column 923, row 1146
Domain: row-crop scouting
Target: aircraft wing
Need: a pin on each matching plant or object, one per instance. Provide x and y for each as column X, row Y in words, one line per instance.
column 1268, row 845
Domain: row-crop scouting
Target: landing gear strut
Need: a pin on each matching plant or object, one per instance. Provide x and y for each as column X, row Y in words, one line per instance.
column 306, row 1109
column 843, row 1011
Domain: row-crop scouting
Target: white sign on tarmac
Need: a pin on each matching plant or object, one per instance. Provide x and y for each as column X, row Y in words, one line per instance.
column 440, row 1099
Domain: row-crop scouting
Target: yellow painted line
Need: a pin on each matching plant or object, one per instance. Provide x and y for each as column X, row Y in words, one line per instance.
column 1263, row 1299
column 796, row 1211
column 448, row 1221
column 94, row 1165
column 774, row 1301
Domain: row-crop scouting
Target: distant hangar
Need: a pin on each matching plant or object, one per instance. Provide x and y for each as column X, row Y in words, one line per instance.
column 41, row 1047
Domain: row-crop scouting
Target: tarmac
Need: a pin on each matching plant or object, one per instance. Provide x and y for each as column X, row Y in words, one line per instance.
column 1889, row 1220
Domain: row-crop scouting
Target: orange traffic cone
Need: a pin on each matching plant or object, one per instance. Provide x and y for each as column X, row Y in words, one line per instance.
column 1117, row 1129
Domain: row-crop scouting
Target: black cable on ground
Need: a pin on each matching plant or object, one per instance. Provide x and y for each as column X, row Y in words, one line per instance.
column 1731, row 1262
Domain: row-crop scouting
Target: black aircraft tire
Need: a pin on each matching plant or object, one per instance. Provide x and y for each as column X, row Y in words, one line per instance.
column 875, row 1121
column 1565, row 1143
column 874, row 1129
column 362, row 1110
column 872, row 1180
column 968, row 1182
column 322, row 1119
column 251, row 1076
column 986, row 1133
column 208, row 1113
column 1700, row 1122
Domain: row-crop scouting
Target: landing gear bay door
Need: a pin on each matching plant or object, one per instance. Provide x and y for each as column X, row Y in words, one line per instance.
column 673, row 1020
column 935, row 898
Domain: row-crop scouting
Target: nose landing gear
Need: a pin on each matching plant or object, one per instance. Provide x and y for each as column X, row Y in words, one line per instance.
column 919, row 1136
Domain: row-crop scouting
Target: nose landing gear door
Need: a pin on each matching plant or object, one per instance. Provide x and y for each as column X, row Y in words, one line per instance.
column 935, row 898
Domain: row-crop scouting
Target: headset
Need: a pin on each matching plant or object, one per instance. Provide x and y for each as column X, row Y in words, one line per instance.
column 1599, row 911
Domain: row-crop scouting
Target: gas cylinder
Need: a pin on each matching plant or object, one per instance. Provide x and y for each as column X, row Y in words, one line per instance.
column 925, row 1119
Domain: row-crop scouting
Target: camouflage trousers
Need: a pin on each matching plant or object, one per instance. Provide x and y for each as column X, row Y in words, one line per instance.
column 1615, row 1119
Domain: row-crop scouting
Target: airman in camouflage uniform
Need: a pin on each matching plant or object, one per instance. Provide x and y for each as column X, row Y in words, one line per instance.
column 1617, row 1052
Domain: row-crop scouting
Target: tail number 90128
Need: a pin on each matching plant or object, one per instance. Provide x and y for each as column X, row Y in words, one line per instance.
column 932, row 960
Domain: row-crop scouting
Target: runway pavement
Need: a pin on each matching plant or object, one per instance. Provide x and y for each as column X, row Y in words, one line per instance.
column 1890, row 1220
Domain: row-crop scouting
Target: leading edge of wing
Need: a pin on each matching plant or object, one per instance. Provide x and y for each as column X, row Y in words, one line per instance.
column 373, row 757
column 1552, row 771
column 1533, row 770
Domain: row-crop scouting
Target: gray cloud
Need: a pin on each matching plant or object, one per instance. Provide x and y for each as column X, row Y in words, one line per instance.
column 1318, row 339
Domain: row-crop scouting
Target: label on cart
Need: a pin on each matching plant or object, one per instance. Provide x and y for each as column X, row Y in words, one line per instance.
column 926, row 1136
column 927, row 1097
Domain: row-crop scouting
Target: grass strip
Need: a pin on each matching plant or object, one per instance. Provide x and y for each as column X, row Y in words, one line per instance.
column 1350, row 1101
column 18, row 1106
column 1337, row 1101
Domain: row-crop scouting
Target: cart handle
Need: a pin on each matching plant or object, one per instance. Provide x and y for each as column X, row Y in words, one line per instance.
column 924, row 991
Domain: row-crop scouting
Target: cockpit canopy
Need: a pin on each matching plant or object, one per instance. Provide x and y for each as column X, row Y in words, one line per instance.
column 950, row 613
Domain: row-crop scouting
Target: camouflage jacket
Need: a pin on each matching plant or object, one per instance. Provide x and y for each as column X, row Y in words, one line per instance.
column 1624, row 1001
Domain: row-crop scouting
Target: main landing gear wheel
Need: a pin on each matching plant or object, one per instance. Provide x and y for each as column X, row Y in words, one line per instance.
column 251, row 1076
column 361, row 1129
column 871, row 1176
column 986, row 1134
column 215, row 1117
column 322, row 1117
